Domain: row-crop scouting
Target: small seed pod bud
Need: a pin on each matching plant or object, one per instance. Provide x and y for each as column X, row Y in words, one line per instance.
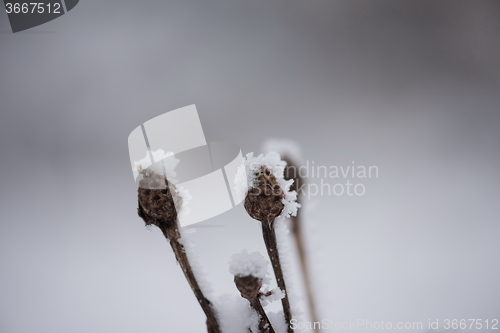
column 263, row 202
column 249, row 272
column 249, row 286
column 158, row 200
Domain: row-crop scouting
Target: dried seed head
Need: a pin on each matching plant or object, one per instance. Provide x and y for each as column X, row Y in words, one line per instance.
column 249, row 286
column 263, row 202
column 158, row 200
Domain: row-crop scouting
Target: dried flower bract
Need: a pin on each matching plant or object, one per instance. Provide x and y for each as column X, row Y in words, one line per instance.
column 158, row 200
column 264, row 201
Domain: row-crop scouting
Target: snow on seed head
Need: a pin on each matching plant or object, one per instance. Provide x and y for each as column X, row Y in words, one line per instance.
column 245, row 264
column 268, row 194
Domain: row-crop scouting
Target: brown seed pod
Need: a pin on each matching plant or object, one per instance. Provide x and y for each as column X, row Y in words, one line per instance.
column 249, row 286
column 158, row 200
column 263, row 202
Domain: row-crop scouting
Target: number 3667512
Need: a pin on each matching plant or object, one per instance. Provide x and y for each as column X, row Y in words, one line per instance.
column 33, row 8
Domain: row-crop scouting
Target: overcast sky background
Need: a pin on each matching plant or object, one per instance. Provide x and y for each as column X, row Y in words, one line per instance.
column 411, row 87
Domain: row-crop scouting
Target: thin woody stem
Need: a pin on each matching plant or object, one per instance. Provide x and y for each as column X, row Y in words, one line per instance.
column 298, row 181
column 173, row 235
column 272, row 250
column 264, row 324
column 157, row 201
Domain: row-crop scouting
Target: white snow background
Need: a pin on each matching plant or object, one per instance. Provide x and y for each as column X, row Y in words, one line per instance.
column 411, row 87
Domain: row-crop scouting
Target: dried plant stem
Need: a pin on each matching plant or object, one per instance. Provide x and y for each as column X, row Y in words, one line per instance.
column 264, row 324
column 272, row 250
column 249, row 287
column 264, row 202
column 291, row 172
column 173, row 235
column 157, row 206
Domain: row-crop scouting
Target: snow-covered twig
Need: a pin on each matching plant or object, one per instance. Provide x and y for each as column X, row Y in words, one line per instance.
column 249, row 271
column 290, row 152
column 267, row 200
column 158, row 200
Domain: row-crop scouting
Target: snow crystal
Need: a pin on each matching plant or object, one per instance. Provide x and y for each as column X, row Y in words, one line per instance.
column 184, row 210
column 236, row 315
column 276, row 295
column 244, row 264
column 165, row 163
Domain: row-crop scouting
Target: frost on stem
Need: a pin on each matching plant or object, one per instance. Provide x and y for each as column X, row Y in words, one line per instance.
column 158, row 204
column 269, row 200
column 290, row 152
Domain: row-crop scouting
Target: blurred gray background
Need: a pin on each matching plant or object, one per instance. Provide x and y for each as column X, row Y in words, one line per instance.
column 411, row 87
